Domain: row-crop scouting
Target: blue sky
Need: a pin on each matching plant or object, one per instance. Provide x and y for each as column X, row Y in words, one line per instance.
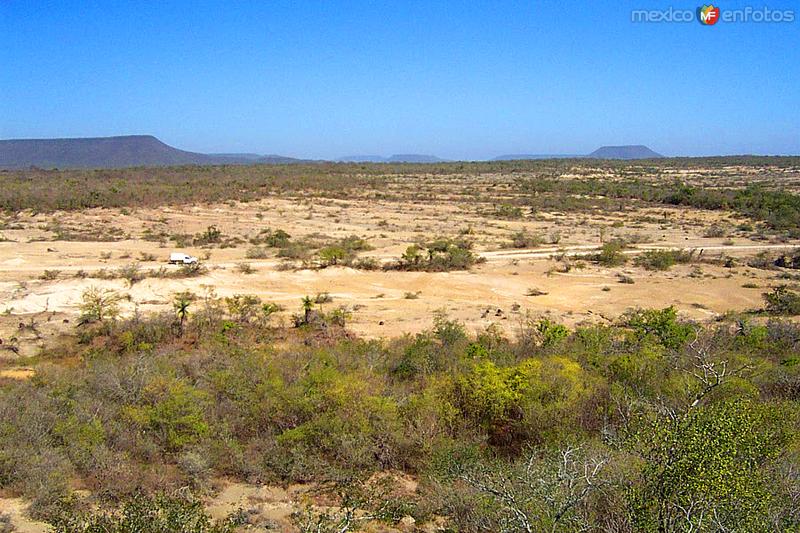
column 325, row 79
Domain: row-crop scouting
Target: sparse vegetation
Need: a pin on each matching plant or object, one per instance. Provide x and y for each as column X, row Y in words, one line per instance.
column 782, row 301
column 245, row 268
column 50, row 275
column 663, row 259
column 610, row 254
column 438, row 256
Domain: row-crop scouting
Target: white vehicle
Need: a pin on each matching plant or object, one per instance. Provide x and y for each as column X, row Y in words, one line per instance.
column 178, row 258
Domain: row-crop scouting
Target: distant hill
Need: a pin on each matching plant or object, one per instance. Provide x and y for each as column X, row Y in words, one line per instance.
column 414, row 158
column 396, row 158
column 114, row 152
column 516, row 157
column 362, row 159
column 250, row 157
column 631, row 151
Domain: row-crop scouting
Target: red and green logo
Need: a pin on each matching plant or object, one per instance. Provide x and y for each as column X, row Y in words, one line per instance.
column 708, row 15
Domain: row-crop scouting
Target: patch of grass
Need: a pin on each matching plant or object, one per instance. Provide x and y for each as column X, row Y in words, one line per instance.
column 535, row 292
column 50, row 275
column 257, row 252
column 245, row 268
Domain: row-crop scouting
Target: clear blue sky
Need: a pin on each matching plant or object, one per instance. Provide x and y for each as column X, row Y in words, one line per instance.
column 325, row 78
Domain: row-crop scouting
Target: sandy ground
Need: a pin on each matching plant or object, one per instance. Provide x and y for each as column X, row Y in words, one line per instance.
column 15, row 509
column 383, row 304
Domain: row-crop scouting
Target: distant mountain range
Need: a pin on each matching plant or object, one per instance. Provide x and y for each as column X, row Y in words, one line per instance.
column 396, row 158
column 114, row 152
column 628, row 151
column 146, row 150
column 514, row 157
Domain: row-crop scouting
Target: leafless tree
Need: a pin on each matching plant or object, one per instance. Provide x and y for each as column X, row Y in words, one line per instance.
column 543, row 491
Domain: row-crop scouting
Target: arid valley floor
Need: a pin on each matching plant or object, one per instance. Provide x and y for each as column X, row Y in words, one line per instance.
column 538, row 254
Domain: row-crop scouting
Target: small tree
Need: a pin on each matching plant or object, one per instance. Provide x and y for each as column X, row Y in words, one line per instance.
column 308, row 305
column 610, row 254
column 98, row 305
column 332, row 255
column 412, row 255
column 544, row 491
column 181, row 305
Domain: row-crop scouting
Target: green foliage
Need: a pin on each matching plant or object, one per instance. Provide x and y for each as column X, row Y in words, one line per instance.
column 663, row 259
column 332, row 255
column 611, row 255
column 439, row 256
column 523, row 239
column 528, row 401
column 212, row 235
column 705, row 468
column 144, row 514
column 662, row 324
column 342, row 252
column 550, row 332
column 545, row 490
column 243, row 307
column 341, row 418
column 181, row 304
column 782, row 301
column 172, row 411
column 274, row 239
column 477, row 419
column 98, row 305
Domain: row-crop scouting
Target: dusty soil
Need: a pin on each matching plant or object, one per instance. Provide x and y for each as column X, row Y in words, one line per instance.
column 43, row 275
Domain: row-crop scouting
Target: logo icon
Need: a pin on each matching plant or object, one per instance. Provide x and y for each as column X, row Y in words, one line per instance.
column 708, row 15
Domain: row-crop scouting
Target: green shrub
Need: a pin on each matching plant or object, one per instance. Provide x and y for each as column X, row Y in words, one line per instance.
column 526, row 402
column 663, row 259
column 438, row 256
column 172, row 411
column 550, row 332
column 146, row 514
column 212, row 235
column 610, row 254
column 98, row 305
column 523, row 239
column 662, row 324
column 782, row 301
column 710, row 461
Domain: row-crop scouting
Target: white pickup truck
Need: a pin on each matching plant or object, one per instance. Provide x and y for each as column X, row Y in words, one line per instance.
column 178, row 258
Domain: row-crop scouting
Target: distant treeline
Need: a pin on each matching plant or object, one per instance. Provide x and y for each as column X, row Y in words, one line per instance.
column 778, row 209
column 49, row 190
